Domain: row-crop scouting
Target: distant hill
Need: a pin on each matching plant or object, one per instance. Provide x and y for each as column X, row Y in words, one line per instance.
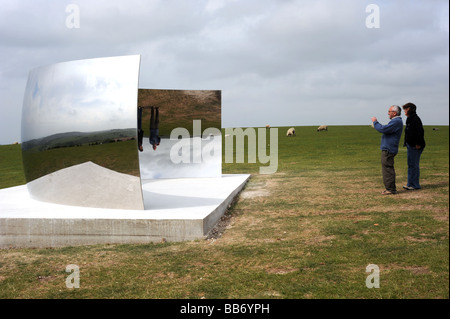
column 69, row 139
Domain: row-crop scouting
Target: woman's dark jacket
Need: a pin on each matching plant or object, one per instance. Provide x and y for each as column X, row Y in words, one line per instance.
column 414, row 134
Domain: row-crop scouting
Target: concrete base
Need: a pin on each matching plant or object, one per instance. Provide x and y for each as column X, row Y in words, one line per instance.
column 176, row 210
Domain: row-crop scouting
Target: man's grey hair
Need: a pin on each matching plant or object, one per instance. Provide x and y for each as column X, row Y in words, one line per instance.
column 397, row 109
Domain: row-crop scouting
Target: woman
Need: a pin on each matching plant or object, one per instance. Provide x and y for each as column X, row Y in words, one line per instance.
column 415, row 143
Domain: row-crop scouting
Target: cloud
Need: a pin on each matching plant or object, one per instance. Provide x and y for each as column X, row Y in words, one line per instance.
column 87, row 95
column 292, row 56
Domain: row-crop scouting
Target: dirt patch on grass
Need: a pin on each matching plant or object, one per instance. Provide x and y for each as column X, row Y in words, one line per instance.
column 317, row 240
column 415, row 270
column 280, row 271
column 418, row 239
column 255, row 193
column 272, row 294
column 6, row 254
column 46, row 278
column 260, row 186
column 441, row 218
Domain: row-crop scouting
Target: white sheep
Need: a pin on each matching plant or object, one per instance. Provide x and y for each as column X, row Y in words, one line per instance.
column 322, row 128
column 290, row 132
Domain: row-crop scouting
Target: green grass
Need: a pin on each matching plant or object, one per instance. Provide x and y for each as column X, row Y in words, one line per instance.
column 307, row 231
column 11, row 168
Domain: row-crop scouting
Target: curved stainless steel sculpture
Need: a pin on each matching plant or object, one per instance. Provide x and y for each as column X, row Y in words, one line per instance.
column 79, row 133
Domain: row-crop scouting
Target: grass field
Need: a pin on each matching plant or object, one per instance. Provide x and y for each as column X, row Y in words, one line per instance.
column 308, row 231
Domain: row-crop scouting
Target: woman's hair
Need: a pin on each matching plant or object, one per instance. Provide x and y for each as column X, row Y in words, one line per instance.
column 411, row 106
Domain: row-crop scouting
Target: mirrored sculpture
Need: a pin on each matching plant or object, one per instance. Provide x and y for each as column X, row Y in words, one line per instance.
column 91, row 138
column 79, row 133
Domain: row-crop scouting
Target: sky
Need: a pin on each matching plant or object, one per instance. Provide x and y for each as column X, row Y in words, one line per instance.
column 84, row 95
column 277, row 62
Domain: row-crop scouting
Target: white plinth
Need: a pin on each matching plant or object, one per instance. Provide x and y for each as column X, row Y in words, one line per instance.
column 176, row 210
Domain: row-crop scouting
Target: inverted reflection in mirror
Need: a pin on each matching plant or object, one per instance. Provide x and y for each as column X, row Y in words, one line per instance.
column 179, row 133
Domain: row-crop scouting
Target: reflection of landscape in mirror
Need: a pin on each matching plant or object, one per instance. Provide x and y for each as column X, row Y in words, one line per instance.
column 81, row 111
column 79, row 133
column 46, row 155
column 179, row 109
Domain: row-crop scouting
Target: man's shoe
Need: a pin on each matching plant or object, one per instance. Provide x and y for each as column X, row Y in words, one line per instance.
column 409, row 188
column 387, row 192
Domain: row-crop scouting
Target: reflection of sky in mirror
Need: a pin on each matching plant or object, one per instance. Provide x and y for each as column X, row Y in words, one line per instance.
column 86, row 95
column 157, row 163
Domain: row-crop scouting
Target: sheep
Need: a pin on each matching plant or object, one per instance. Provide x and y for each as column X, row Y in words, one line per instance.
column 291, row 132
column 322, row 128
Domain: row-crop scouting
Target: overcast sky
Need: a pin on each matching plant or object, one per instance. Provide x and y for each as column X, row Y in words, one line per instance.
column 277, row 62
column 83, row 95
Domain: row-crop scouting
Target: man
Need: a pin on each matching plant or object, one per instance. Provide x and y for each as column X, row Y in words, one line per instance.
column 415, row 143
column 155, row 140
column 140, row 130
column 389, row 146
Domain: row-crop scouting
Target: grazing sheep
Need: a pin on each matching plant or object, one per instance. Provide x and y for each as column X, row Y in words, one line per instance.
column 322, row 128
column 291, row 132
column 435, row 129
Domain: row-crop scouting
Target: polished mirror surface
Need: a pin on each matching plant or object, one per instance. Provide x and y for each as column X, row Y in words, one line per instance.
column 79, row 133
column 179, row 133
